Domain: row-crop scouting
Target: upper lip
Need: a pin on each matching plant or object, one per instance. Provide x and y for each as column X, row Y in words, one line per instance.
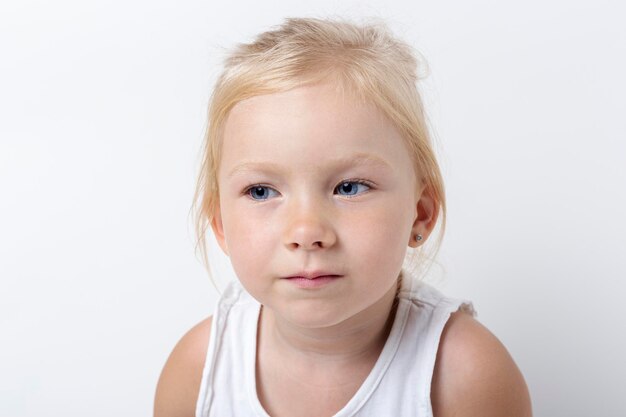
column 312, row 274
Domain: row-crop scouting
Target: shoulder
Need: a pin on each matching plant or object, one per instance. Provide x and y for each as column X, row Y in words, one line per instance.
column 474, row 374
column 179, row 383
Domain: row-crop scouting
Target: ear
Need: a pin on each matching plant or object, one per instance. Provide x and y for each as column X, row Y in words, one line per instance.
column 427, row 211
column 218, row 229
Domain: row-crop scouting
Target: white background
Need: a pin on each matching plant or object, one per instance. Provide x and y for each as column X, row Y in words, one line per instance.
column 102, row 111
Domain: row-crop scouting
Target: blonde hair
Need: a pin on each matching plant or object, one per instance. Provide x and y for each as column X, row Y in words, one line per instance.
column 364, row 60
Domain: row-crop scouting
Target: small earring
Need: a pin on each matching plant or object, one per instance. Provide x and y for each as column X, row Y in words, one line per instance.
column 418, row 237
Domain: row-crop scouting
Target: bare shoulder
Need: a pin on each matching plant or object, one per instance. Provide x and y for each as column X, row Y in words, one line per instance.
column 475, row 375
column 179, row 383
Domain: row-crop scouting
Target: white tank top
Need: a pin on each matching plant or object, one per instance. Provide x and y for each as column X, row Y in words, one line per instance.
column 397, row 385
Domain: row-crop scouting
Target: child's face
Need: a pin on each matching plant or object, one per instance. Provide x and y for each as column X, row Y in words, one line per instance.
column 305, row 211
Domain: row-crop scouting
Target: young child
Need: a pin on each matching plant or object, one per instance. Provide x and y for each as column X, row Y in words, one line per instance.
column 320, row 184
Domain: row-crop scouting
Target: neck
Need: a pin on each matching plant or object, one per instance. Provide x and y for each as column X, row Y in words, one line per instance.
column 359, row 339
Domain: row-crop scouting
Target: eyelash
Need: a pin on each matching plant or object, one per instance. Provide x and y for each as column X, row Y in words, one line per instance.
column 247, row 190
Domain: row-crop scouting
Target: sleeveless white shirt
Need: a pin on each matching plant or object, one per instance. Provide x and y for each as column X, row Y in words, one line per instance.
column 398, row 384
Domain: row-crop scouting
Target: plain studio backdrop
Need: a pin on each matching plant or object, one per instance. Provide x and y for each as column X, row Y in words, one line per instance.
column 102, row 112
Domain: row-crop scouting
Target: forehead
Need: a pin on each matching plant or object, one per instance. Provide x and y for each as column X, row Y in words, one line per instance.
column 310, row 104
column 306, row 125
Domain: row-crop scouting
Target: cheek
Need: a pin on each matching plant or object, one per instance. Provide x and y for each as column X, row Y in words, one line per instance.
column 249, row 241
column 382, row 238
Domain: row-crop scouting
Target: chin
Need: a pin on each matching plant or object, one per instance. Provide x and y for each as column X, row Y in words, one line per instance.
column 313, row 316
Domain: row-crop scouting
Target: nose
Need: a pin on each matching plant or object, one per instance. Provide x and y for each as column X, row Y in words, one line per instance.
column 308, row 227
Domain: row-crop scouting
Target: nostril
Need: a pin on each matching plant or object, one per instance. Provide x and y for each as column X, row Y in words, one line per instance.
column 316, row 244
column 309, row 235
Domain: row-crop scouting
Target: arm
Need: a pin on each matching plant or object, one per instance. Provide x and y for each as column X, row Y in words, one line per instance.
column 474, row 374
column 179, row 383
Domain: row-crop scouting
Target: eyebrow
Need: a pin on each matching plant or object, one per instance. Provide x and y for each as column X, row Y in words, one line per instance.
column 359, row 159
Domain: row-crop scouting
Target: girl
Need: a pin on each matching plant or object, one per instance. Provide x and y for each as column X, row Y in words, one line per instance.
column 318, row 180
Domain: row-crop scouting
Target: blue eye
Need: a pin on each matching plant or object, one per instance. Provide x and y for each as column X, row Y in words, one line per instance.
column 260, row 191
column 351, row 187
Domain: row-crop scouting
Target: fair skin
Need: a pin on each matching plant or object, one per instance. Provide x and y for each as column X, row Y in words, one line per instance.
column 316, row 347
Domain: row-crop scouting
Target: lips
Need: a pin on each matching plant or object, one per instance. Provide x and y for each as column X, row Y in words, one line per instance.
column 313, row 274
column 313, row 281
